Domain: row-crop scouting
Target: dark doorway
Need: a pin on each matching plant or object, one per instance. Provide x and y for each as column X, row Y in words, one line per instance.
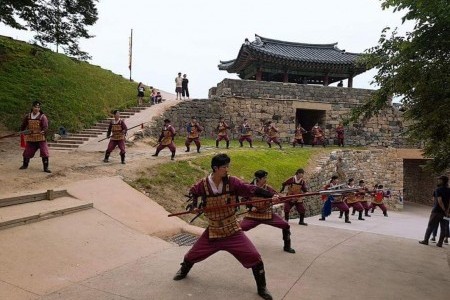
column 307, row 119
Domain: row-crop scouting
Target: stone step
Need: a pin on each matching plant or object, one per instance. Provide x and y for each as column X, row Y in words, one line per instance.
column 62, row 145
column 69, row 141
column 74, row 138
column 83, row 135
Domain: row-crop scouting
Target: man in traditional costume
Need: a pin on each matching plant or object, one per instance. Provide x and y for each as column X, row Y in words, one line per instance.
column 261, row 212
column 352, row 200
column 223, row 232
column 340, row 134
column 298, row 136
column 166, row 139
column 116, row 132
column 36, row 124
column 193, row 130
column 296, row 185
column 335, row 199
column 222, row 132
column 378, row 200
column 271, row 133
column 318, row 136
column 246, row 134
column 361, row 198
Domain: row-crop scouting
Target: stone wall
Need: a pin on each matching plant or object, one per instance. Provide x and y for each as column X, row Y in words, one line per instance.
column 280, row 103
column 418, row 183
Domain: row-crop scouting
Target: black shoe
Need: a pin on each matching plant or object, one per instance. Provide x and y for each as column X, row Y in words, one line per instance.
column 439, row 245
column 348, row 221
column 433, row 239
column 322, row 219
column 155, row 155
column 303, row 223
column 105, row 160
column 289, row 250
column 423, row 242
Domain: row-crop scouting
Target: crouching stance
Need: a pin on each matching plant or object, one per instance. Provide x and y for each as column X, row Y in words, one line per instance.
column 223, row 231
column 166, row 139
column 296, row 185
column 261, row 212
column 117, row 131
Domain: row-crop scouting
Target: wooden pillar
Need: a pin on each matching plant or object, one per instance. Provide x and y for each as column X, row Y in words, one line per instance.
column 285, row 77
column 350, row 81
column 259, row 75
column 325, row 80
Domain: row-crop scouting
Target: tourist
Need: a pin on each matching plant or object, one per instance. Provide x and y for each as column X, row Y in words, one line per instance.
column 223, row 232
column 261, row 212
column 441, row 209
column 318, row 136
column 222, row 132
column 184, row 87
column 166, row 139
column 116, row 132
column 36, row 123
column 298, row 136
column 296, row 185
column 271, row 133
column 178, row 85
column 193, row 129
column 245, row 134
column 140, row 95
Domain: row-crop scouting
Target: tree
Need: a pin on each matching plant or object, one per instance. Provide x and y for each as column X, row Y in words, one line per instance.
column 61, row 22
column 416, row 68
column 10, row 9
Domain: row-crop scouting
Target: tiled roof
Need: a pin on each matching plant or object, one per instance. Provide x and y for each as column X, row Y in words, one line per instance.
column 265, row 49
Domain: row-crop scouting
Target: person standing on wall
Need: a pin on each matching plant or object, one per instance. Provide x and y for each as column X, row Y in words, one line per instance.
column 184, row 87
column 178, row 85
column 37, row 125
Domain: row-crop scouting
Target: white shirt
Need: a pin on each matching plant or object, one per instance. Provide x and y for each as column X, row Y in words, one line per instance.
column 215, row 189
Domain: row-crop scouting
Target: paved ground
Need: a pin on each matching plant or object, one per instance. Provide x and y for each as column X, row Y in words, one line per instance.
column 116, row 251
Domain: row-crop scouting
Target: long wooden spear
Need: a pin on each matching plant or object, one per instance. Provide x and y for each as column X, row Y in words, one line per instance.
column 127, row 130
column 15, row 134
column 279, row 200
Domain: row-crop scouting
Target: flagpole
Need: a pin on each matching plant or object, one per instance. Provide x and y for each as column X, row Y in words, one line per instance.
column 130, row 52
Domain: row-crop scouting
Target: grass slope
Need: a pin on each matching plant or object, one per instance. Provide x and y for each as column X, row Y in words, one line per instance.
column 74, row 94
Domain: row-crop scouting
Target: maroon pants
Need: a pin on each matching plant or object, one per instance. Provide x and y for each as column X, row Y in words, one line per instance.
column 119, row 143
column 298, row 205
column 381, row 206
column 297, row 141
column 272, row 139
column 276, row 221
column 318, row 140
column 342, row 206
column 32, row 147
column 356, row 206
column 171, row 147
column 365, row 205
column 247, row 138
column 222, row 137
column 189, row 141
column 237, row 245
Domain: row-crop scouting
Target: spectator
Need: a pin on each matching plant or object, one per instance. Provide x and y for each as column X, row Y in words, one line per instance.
column 153, row 97
column 178, row 85
column 158, row 97
column 340, row 84
column 184, row 87
column 140, row 94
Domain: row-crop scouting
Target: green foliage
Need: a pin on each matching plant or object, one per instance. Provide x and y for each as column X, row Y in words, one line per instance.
column 416, row 67
column 10, row 9
column 74, row 94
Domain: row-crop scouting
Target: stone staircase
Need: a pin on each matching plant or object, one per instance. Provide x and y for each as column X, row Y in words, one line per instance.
column 74, row 140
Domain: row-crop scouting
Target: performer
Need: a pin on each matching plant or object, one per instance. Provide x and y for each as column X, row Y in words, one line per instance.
column 117, row 131
column 271, row 133
column 361, row 198
column 261, row 212
column 298, row 137
column 336, row 202
column 296, row 185
column 166, row 139
column 193, row 129
column 352, row 200
column 222, row 132
column 36, row 123
column 246, row 134
column 318, row 135
column 223, row 231
column 340, row 134
column 378, row 198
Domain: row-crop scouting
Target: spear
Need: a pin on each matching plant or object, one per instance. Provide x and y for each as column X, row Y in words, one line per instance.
column 142, row 124
column 15, row 134
column 279, row 200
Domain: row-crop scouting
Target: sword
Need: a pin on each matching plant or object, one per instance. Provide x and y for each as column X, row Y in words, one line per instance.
column 16, row 134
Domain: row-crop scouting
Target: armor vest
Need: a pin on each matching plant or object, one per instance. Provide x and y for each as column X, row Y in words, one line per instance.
column 222, row 129
column 167, row 136
column 263, row 209
column 298, row 134
column 296, row 188
column 317, row 132
column 221, row 222
column 117, row 131
column 245, row 130
column 192, row 131
column 378, row 197
column 351, row 197
column 34, row 126
column 272, row 132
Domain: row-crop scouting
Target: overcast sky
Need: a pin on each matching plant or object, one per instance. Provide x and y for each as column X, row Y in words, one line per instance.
column 192, row 36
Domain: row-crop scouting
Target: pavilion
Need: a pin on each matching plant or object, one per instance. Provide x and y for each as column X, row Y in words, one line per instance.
column 274, row 60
